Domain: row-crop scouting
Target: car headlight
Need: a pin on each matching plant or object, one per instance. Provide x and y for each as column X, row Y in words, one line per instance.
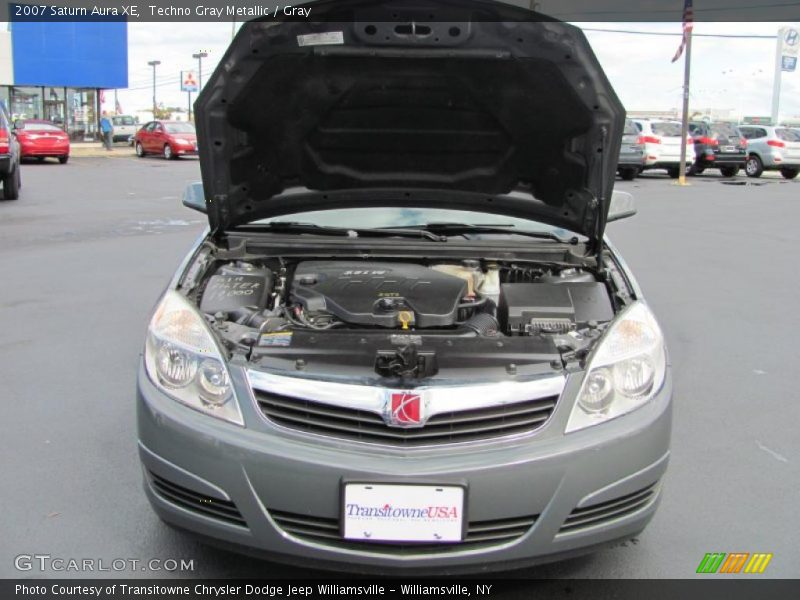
column 625, row 370
column 183, row 360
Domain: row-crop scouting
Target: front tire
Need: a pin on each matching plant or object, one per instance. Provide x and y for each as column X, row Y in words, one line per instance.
column 628, row 174
column 168, row 153
column 11, row 185
column 729, row 171
column 753, row 167
column 789, row 173
column 63, row 159
column 139, row 150
column 673, row 172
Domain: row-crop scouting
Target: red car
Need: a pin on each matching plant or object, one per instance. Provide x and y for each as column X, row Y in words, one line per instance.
column 171, row 139
column 40, row 139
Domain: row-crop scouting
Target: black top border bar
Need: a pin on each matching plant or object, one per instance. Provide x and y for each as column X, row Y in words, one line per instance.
column 507, row 586
column 135, row 11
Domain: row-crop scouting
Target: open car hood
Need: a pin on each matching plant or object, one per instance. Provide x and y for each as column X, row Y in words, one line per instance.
column 470, row 105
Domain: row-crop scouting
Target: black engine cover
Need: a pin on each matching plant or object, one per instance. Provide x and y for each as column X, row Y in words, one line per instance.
column 378, row 294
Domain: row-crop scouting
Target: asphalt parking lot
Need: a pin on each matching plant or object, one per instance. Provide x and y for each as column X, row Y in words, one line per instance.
column 90, row 245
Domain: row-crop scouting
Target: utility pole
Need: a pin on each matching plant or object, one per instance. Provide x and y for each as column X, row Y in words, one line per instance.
column 154, row 64
column 685, row 116
column 200, row 56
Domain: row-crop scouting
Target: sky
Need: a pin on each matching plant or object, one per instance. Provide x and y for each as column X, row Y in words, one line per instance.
column 727, row 73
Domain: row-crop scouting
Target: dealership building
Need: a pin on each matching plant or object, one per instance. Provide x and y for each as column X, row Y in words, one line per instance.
column 57, row 70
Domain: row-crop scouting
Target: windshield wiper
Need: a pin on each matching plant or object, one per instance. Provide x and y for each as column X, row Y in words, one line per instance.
column 462, row 228
column 352, row 232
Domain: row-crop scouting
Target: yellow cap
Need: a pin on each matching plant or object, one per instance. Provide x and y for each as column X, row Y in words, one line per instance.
column 405, row 317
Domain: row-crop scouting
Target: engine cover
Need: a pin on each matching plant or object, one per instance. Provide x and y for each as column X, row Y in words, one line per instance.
column 378, row 294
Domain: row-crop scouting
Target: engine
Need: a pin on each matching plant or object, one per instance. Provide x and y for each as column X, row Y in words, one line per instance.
column 487, row 299
column 378, row 294
column 404, row 319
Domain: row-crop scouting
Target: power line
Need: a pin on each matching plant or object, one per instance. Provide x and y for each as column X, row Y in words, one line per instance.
column 709, row 35
column 676, row 11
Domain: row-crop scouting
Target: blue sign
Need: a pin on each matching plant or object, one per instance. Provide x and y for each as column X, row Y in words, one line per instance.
column 70, row 54
column 788, row 63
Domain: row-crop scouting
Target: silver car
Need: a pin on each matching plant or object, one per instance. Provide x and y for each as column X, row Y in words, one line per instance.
column 631, row 152
column 771, row 148
column 404, row 344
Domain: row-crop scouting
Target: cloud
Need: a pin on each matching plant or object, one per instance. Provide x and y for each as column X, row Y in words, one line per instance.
column 727, row 73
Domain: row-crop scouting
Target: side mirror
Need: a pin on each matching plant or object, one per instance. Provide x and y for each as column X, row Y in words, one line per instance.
column 194, row 198
column 19, row 124
column 622, row 206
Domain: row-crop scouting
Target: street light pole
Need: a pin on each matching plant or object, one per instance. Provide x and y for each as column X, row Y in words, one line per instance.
column 154, row 64
column 200, row 56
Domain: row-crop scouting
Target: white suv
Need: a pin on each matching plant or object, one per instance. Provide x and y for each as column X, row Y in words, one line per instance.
column 124, row 127
column 662, row 145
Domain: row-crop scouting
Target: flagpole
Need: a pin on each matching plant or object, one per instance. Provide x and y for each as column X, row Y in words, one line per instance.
column 685, row 116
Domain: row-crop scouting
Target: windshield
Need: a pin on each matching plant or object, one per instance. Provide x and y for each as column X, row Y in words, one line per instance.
column 42, row 127
column 393, row 217
column 179, row 127
column 123, row 121
column 724, row 130
column 666, row 128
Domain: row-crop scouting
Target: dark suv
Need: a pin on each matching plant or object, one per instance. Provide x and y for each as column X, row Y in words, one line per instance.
column 717, row 145
column 9, row 158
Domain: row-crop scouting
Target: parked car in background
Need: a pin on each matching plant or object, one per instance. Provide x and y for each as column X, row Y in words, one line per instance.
column 717, row 145
column 631, row 152
column 771, row 148
column 124, row 128
column 170, row 139
column 42, row 139
column 9, row 158
column 662, row 145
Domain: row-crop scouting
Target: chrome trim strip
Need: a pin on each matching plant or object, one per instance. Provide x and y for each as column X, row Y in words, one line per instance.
column 438, row 399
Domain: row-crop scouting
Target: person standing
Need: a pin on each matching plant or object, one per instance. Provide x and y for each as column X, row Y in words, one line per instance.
column 107, row 130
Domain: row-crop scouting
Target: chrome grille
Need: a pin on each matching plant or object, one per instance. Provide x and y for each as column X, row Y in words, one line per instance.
column 326, row 531
column 366, row 426
column 222, row 510
column 597, row 514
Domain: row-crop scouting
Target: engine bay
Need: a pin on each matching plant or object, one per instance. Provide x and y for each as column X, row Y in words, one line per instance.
column 403, row 319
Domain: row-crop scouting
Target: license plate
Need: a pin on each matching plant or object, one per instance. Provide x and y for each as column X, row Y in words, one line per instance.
column 403, row 513
column 729, row 148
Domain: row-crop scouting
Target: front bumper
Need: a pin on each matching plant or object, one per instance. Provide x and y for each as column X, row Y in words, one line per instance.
column 185, row 150
column 265, row 472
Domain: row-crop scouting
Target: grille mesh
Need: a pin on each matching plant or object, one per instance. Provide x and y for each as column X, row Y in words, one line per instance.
column 451, row 427
column 222, row 510
column 599, row 513
column 480, row 534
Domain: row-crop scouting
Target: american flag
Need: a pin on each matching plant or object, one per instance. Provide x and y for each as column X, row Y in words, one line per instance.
column 118, row 107
column 688, row 24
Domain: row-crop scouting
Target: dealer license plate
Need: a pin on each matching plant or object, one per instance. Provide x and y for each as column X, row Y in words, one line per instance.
column 403, row 513
column 729, row 148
